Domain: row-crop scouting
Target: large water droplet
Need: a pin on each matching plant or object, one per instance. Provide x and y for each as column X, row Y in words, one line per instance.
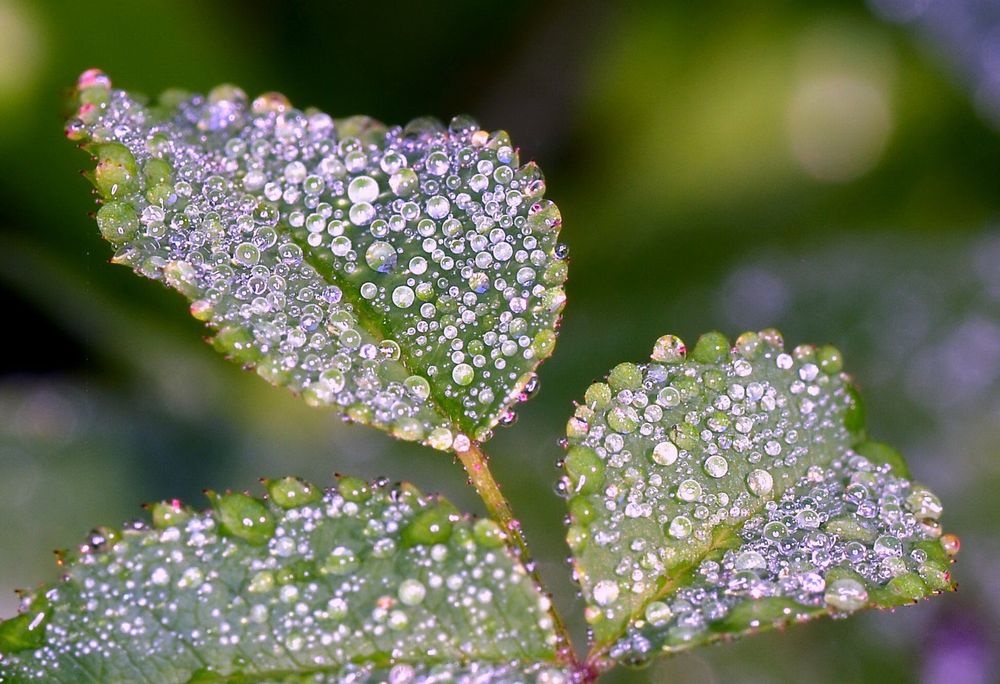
column 463, row 374
column 846, row 594
column 605, row 592
column 363, row 189
column 665, row 453
column 403, row 296
column 760, row 482
column 412, row 592
column 716, row 466
column 381, row 256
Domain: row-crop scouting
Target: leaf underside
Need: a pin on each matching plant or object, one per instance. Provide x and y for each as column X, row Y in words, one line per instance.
column 361, row 583
column 409, row 277
column 732, row 489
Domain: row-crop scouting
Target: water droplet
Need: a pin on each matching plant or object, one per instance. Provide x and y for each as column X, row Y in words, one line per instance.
column 605, row 592
column 403, row 297
column 669, row 349
column 760, row 482
column 807, row 518
column 363, row 189
column 658, row 613
column 680, row 527
column 440, row 439
column 412, row 592
column 716, row 466
column 625, row 376
column 404, row 182
column 665, row 453
column 438, row 207
column 710, row 348
column 381, row 256
column 354, row 489
column 463, row 374
column 846, row 594
column 437, row 163
column 924, row 503
column 361, row 214
column 168, row 514
column 246, row 254
column 689, row 490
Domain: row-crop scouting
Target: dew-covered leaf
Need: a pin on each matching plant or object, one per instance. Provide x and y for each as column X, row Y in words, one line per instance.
column 359, row 583
column 732, row 489
column 409, row 277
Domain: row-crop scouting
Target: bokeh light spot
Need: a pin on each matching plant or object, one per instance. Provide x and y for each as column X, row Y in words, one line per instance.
column 22, row 53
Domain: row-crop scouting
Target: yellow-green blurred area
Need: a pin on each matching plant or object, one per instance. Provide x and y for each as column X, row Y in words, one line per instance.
column 832, row 169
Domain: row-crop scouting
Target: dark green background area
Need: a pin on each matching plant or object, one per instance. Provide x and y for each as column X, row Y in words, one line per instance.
column 689, row 147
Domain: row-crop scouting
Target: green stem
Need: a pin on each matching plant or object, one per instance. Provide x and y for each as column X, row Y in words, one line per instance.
column 477, row 466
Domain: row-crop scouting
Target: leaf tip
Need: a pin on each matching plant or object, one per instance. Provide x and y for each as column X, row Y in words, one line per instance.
column 24, row 632
column 292, row 492
column 242, row 516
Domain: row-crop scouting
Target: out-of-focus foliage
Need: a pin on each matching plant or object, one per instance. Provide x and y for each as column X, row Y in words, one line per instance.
column 818, row 167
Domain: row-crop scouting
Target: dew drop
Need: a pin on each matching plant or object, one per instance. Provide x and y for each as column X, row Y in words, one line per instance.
column 669, row 349
column 665, row 453
column 418, row 265
column 160, row 577
column 246, row 254
column 412, row 592
column 689, row 490
column 760, row 482
column 716, row 466
column 361, row 214
column 680, row 527
column 381, row 256
column 362, row 189
column 341, row 561
column 846, row 594
column 463, row 374
column 403, row 296
column 418, row 386
column 658, row 613
column 404, row 182
column 437, row 163
column 750, row 560
column 605, row 592
column 438, row 206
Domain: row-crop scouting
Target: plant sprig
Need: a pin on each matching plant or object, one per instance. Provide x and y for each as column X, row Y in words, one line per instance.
column 411, row 279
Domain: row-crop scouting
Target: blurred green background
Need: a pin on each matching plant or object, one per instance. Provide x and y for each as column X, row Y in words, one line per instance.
column 829, row 168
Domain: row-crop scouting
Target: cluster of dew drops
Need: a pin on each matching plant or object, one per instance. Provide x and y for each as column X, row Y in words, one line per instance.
column 384, row 271
column 285, row 584
column 688, row 444
column 823, row 545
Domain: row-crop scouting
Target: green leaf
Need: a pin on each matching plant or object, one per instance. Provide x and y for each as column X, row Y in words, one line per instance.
column 409, row 277
column 732, row 489
column 362, row 583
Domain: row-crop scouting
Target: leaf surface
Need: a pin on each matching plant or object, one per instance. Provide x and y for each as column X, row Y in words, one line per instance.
column 360, row 583
column 733, row 489
column 409, row 277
